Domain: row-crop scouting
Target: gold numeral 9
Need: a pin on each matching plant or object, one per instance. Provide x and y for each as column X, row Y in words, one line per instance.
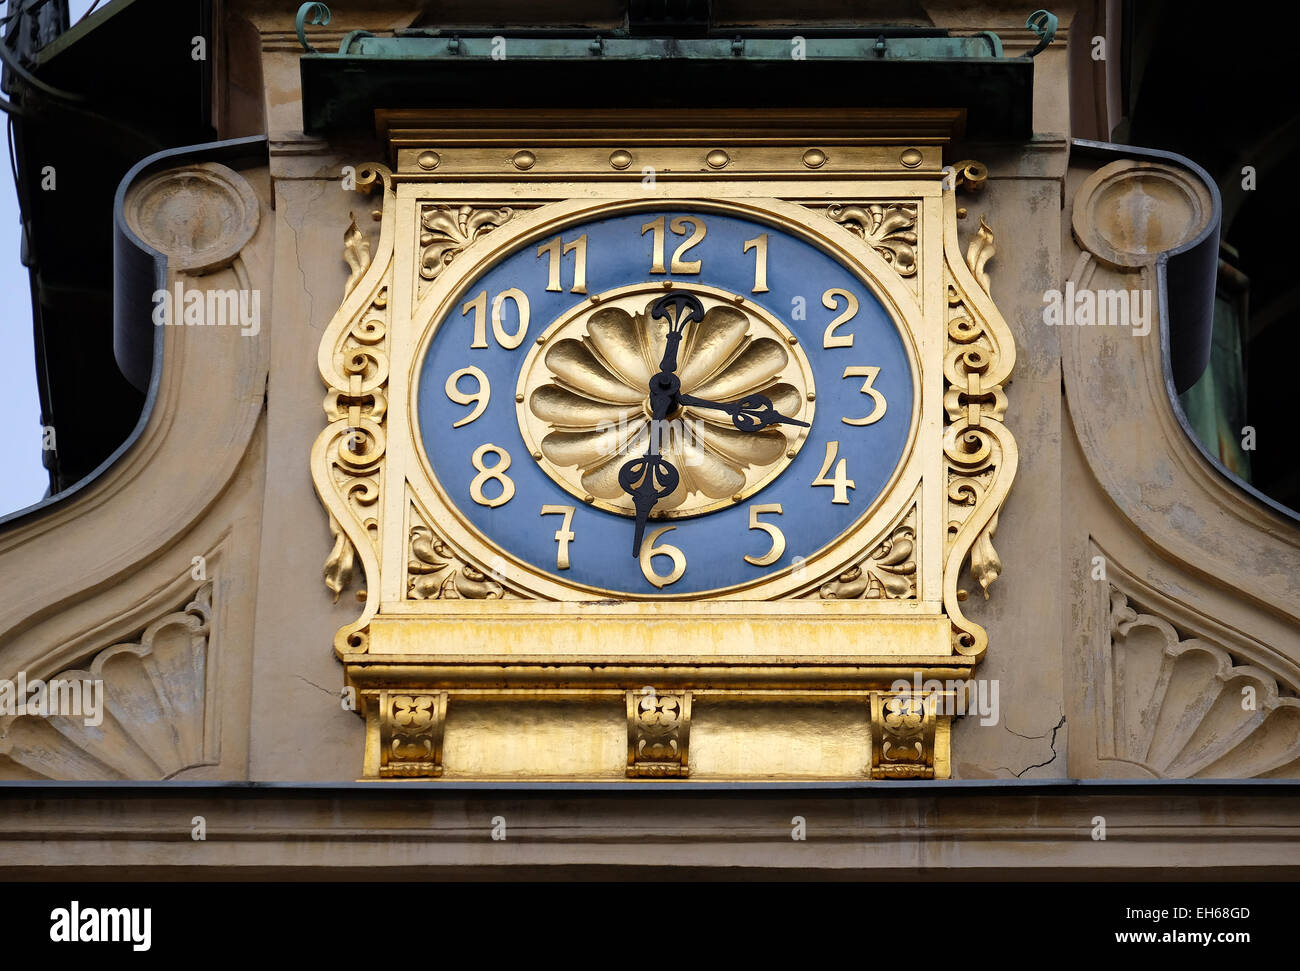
column 480, row 396
column 487, row 473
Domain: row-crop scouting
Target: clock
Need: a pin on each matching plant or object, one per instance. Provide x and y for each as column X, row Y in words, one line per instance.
column 664, row 403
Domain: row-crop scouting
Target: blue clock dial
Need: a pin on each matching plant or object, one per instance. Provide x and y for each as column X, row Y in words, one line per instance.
column 783, row 409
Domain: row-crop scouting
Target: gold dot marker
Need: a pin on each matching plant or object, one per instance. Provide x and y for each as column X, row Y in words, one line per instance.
column 791, row 454
column 812, row 396
column 738, row 498
column 519, row 398
column 588, row 498
column 738, row 298
column 792, row 340
column 668, row 284
column 961, row 595
column 538, row 456
column 595, row 298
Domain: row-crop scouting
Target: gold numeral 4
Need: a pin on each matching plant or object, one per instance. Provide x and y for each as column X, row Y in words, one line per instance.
column 841, row 482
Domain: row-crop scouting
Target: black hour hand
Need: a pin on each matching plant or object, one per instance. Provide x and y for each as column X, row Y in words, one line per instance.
column 750, row 414
column 647, row 480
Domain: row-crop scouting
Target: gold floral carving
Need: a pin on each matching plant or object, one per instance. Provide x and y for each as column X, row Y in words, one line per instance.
column 904, row 728
column 889, row 228
column 348, row 456
column 658, row 734
column 446, row 230
column 588, row 409
column 888, row 572
column 980, row 454
column 411, row 728
column 435, row 572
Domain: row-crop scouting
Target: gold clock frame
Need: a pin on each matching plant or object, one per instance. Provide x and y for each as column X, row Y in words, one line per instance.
column 449, row 619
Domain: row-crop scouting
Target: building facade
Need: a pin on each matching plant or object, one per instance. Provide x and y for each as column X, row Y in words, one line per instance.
column 635, row 435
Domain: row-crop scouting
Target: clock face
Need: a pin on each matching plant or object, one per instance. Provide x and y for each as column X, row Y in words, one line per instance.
column 535, row 393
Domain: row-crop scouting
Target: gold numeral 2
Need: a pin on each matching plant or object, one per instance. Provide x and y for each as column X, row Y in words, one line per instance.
column 830, row 300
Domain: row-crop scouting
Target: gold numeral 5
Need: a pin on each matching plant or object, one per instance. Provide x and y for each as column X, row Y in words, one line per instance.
column 480, row 396
column 841, row 482
column 487, row 473
column 564, row 535
column 778, row 537
column 878, row 412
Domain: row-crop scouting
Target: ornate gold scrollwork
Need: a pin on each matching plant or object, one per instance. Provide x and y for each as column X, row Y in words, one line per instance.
column 411, row 727
column 904, row 727
column 658, row 734
column 347, row 458
column 888, row 227
column 888, row 572
column 980, row 454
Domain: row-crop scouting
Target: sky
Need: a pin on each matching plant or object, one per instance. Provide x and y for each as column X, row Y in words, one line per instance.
column 23, row 480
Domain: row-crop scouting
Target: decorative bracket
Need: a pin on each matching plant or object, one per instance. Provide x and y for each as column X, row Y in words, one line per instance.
column 658, row 734
column 410, row 733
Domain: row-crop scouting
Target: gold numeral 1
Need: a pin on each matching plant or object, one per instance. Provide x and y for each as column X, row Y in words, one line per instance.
column 877, row 413
column 564, row 535
column 556, row 248
column 759, row 245
column 778, row 537
column 841, row 483
column 649, row 550
column 657, row 240
column 830, row 300
column 487, row 473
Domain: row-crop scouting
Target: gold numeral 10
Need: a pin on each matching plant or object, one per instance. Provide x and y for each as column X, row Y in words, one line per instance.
column 841, row 482
column 678, row 226
column 479, row 306
column 486, row 473
column 759, row 245
column 555, row 249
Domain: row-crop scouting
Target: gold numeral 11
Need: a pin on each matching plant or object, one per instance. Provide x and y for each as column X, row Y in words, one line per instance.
column 555, row 249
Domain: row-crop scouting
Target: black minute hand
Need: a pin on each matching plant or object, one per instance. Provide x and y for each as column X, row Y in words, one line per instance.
column 749, row 414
